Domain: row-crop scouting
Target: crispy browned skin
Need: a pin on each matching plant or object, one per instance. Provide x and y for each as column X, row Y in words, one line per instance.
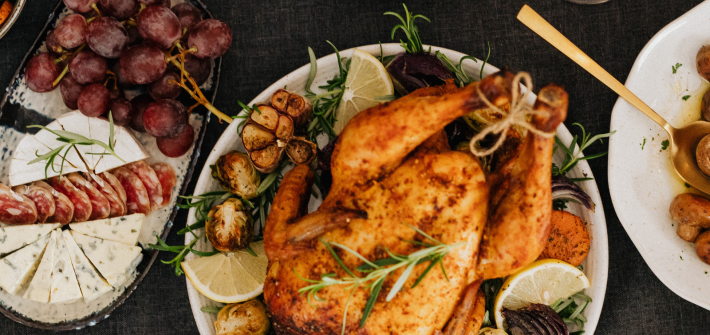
column 519, row 223
column 476, row 321
column 384, row 176
column 568, row 240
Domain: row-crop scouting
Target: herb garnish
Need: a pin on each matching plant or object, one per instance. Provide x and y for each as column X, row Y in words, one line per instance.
column 211, row 309
column 72, row 140
column 325, row 104
column 686, row 97
column 665, row 144
column 203, row 204
column 378, row 271
column 414, row 43
column 570, row 312
column 643, row 144
column 675, row 67
column 462, row 78
column 571, row 157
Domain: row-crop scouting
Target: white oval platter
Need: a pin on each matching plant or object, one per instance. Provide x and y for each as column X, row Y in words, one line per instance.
column 595, row 266
column 643, row 183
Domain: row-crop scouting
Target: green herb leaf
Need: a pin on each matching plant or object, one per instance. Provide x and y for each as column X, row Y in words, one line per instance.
column 675, row 67
column 374, row 293
column 665, row 144
column 211, row 309
column 686, row 97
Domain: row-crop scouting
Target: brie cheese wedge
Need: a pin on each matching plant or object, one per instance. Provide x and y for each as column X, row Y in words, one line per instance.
column 115, row 261
column 64, row 288
column 16, row 237
column 42, row 281
column 91, row 284
column 18, row 266
column 79, row 158
column 124, row 229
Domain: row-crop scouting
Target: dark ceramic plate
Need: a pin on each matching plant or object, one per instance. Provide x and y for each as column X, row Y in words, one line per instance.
column 15, row 116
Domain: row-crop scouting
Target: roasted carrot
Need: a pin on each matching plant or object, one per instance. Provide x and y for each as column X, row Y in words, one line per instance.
column 568, row 240
column 5, row 11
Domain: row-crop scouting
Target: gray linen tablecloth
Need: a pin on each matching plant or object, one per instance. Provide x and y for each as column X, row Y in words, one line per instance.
column 270, row 40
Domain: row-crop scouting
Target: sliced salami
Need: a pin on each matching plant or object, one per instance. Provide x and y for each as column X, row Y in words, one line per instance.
column 113, row 181
column 100, row 207
column 118, row 207
column 168, row 179
column 63, row 207
column 81, row 201
column 136, row 194
column 151, row 182
column 42, row 198
column 16, row 208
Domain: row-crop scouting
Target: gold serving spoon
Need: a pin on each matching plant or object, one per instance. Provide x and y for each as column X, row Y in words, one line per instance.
column 683, row 141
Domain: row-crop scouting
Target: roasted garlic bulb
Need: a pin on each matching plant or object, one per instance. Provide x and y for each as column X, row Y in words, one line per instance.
column 237, row 174
column 247, row 318
column 269, row 132
column 229, row 227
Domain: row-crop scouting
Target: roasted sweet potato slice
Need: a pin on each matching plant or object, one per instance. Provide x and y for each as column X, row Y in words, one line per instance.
column 569, row 239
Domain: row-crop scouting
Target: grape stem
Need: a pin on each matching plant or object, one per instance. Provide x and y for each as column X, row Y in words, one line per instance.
column 98, row 12
column 196, row 93
column 66, row 68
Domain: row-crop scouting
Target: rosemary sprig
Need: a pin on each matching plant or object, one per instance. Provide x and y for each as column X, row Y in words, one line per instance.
column 72, row 140
column 325, row 104
column 462, row 78
column 572, row 157
column 376, row 272
column 203, row 203
column 414, row 43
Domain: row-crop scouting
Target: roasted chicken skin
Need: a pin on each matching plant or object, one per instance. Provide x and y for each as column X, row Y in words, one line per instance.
column 391, row 168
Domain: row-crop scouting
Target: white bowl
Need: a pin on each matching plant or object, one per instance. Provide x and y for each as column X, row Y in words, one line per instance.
column 595, row 266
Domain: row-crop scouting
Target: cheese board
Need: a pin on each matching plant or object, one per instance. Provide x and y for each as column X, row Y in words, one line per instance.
column 117, row 248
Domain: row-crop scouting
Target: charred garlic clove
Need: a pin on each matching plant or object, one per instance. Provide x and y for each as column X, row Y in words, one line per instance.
column 300, row 150
column 264, row 136
column 229, row 227
column 293, row 105
column 237, row 174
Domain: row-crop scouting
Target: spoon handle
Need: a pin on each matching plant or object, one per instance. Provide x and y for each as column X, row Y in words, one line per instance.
column 540, row 26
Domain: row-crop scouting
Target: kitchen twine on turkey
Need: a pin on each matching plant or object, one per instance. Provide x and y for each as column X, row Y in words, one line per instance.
column 519, row 113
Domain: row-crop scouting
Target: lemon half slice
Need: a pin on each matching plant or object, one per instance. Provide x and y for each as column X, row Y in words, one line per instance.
column 542, row 282
column 367, row 79
column 229, row 277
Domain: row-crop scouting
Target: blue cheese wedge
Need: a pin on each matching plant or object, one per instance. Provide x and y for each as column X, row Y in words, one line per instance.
column 91, row 284
column 42, row 281
column 16, row 268
column 64, row 288
column 124, row 229
column 115, row 261
column 13, row 238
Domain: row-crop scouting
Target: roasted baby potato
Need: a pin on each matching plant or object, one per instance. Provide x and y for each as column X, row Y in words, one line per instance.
column 705, row 106
column 702, row 155
column 568, row 240
column 687, row 232
column 702, row 61
column 702, row 246
column 691, row 209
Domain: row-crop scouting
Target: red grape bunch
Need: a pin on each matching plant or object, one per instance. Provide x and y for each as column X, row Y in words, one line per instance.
column 107, row 46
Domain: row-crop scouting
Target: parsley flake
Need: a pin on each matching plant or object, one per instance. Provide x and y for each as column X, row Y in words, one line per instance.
column 665, row 144
column 675, row 67
column 686, row 97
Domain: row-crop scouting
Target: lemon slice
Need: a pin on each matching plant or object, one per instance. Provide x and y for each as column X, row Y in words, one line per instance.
column 229, row 277
column 542, row 282
column 367, row 79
